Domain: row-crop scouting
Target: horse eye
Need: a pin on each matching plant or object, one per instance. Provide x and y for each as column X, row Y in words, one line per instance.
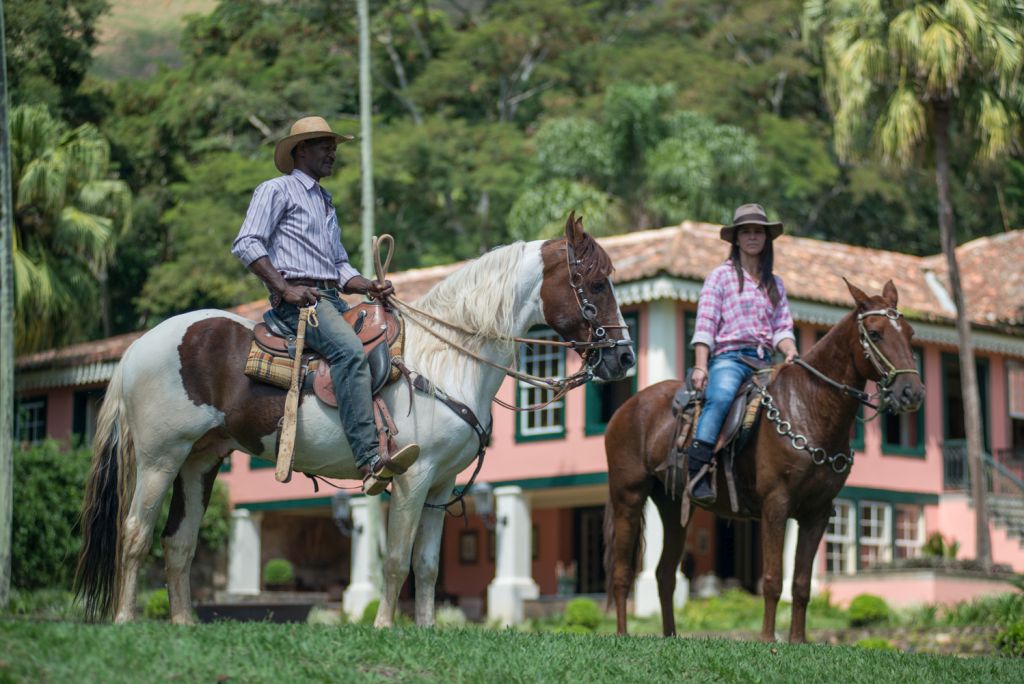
column 875, row 336
column 597, row 288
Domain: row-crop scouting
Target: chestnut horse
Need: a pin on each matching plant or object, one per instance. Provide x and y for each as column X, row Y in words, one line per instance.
column 792, row 466
column 178, row 403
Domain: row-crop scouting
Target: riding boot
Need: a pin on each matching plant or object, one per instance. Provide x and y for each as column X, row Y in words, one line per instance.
column 699, row 455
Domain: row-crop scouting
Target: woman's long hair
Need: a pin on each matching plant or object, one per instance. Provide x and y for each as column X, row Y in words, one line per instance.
column 767, row 260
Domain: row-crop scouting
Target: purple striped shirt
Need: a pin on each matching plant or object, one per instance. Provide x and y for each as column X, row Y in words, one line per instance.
column 292, row 220
column 728, row 319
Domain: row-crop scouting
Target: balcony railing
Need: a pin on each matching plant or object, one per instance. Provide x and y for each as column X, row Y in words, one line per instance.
column 1004, row 472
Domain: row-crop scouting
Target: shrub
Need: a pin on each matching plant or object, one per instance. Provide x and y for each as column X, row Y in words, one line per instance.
column 875, row 644
column 45, row 604
column 734, row 609
column 582, row 612
column 158, row 605
column 370, row 612
column 45, row 534
column 822, row 606
column 1000, row 609
column 937, row 546
column 450, row 616
column 1010, row 641
column 278, row 571
column 324, row 616
column 867, row 609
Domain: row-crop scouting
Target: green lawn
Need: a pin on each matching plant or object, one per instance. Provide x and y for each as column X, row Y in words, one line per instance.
column 232, row 652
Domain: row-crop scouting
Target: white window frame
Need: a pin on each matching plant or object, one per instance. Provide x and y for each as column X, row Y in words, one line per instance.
column 547, row 361
column 1015, row 389
column 913, row 545
column 883, row 540
column 846, row 539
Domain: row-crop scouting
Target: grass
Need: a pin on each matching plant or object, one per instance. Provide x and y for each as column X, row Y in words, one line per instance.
column 260, row 652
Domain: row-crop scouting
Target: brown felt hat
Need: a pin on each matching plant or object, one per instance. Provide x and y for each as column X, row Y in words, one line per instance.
column 750, row 215
column 307, row 128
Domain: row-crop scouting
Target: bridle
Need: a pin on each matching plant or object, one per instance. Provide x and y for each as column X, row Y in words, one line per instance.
column 598, row 334
column 887, row 370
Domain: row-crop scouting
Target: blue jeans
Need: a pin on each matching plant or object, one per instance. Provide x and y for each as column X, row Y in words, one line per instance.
column 725, row 375
column 335, row 339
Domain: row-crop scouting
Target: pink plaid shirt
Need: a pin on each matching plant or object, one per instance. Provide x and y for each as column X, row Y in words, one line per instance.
column 728, row 319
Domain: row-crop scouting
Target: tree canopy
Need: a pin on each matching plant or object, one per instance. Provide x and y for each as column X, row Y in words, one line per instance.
column 492, row 121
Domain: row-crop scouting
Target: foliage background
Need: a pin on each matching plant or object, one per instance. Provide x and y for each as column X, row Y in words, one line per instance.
column 492, row 120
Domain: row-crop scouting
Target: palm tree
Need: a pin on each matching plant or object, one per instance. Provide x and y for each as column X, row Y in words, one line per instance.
column 899, row 76
column 68, row 214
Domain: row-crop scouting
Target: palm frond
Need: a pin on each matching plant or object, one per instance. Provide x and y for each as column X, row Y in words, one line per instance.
column 901, row 127
column 43, row 184
column 110, row 198
column 967, row 16
column 941, row 59
column 89, row 236
column 998, row 128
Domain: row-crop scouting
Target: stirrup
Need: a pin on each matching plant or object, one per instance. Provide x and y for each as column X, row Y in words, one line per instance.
column 391, row 465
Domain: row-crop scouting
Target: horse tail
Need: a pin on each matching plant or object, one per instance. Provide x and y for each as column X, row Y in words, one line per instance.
column 609, row 552
column 108, row 496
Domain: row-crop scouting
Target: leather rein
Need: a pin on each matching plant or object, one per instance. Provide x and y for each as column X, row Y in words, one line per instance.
column 887, row 370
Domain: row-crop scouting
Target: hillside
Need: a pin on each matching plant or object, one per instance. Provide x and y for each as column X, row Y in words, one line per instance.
column 137, row 36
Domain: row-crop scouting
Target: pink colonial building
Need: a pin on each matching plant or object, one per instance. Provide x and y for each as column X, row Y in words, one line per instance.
column 547, row 468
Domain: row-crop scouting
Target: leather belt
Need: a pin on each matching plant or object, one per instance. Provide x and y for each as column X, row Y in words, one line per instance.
column 318, row 284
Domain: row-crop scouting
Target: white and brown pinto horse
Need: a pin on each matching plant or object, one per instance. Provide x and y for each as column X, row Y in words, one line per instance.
column 178, row 403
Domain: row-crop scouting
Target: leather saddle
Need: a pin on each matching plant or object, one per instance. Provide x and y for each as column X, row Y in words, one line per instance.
column 739, row 425
column 378, row 327
column 745, row 409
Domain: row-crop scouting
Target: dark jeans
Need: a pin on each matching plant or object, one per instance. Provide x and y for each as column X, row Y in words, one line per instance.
column 725, row 375
column 335, row 339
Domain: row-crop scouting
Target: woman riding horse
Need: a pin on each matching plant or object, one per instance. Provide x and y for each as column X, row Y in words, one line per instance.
column 742, row 311
column 793, row 466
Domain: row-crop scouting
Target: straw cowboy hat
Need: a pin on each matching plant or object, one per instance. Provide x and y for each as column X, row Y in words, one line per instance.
column 750, row 215
column 306, row 128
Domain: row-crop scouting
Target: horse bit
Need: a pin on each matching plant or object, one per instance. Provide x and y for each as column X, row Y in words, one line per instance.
column 841, row 462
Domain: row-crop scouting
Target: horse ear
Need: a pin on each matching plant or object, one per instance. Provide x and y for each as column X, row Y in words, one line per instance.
column 570, row 225
column 890, row 295
column 579, row 228
column 857, row 293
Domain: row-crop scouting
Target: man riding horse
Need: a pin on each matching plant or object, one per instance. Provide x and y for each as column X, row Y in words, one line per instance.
column 291, row 240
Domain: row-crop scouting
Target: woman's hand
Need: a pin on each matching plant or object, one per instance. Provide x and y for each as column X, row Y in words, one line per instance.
column 788, row 347
column 699, row 378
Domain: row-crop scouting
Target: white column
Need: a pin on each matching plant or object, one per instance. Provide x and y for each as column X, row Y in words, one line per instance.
column 513, row 579
column 365, row 561
column 789, row 559
column 661, row 335
column 244, row 552
column 646, row 601
column 789, row 563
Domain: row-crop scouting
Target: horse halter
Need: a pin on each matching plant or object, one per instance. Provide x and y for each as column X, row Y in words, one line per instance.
column 887, row 370
column 598, row 332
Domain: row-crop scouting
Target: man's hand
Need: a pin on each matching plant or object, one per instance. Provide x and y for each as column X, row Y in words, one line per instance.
column 365, row 286
column 300, row 295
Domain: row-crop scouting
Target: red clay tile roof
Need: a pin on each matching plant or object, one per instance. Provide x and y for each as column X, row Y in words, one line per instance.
column 991, row 271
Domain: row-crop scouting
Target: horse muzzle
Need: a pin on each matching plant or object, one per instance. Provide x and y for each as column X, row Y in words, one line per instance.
column 614, row 362
column 907, row 398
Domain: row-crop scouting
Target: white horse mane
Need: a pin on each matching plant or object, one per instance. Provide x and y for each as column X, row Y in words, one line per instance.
column 480, row 299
